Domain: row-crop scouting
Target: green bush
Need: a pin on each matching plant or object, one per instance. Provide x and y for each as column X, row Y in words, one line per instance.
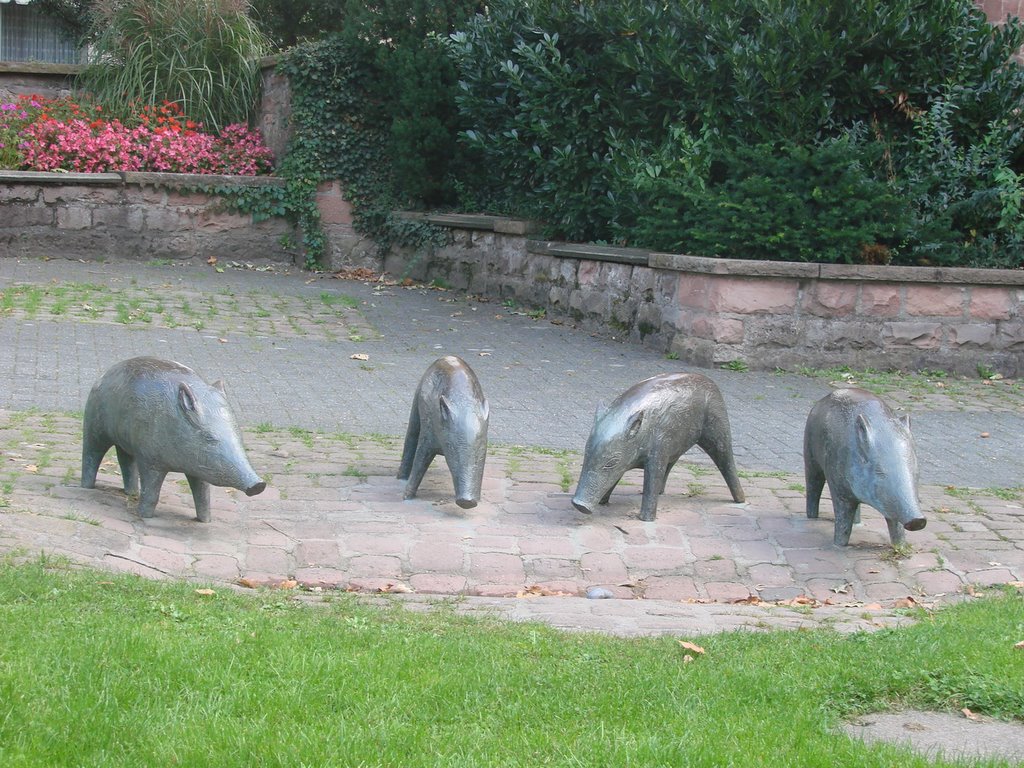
column 414, row 83
column 781, row 203
column 576, row 108
column 965, row 199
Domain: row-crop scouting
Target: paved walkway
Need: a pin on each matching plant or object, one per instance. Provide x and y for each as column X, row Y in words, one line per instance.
column 321, row 372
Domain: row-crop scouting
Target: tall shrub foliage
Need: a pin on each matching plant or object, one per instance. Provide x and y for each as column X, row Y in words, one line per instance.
column 597, row 116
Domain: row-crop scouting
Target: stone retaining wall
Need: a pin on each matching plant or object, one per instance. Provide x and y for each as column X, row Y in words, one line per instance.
column 134, row 216
column 764, row 314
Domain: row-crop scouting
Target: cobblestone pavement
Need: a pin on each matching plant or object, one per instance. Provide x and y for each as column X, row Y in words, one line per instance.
column 325, row 429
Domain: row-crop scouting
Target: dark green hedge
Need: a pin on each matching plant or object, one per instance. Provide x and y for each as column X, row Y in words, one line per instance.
column 852, row 131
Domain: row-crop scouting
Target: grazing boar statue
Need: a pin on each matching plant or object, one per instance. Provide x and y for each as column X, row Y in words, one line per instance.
column 449, row 417
column 866, row 454
column 651, row 425
column 162, row 417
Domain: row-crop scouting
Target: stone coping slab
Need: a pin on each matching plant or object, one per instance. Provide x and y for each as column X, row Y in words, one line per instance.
column 681, row 262
column 139, row 178
column 634, row 256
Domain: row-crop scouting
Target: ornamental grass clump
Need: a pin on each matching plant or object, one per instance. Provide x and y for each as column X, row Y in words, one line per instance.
column 201, row 54
column 47, row 135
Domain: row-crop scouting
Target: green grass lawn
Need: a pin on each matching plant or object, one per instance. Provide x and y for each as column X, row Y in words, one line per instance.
column 99, row 670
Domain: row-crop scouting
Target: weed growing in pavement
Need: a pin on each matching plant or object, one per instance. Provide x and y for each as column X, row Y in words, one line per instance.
column 697, row 470
column 748, row 474
column 80, row 518
column 897, row 552
column 339, row 299
column 917, row 384
column 304, row 435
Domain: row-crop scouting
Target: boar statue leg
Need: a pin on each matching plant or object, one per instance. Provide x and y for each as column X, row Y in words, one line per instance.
column 718, row 446
column 151, row 480
column 814, row 479
column 655, row 471
column 201, row 497
column 664, row 478
column 93, row 451
column 412, row 438
column 424, row 453
column 897, row 533
column 129, row 472
column 846, row 510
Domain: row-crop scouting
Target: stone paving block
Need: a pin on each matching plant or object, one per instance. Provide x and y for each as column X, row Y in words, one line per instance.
column 496, row 568
column 541, row 568
column 273, row 560
column 751, row 552
column 375, row 565
column 316, row 552
column 993, row 576
column 432, row 556
column 603, row 568
column 652, row 558
column 435, row 583
column 547, row 546
column 938, row 583
column 217, row 567
column 726, row 591
column 770, row 575
column 670, row 588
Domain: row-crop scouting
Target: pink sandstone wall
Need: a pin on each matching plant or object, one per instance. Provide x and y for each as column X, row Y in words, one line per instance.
column 715, row 311
column 133, row 216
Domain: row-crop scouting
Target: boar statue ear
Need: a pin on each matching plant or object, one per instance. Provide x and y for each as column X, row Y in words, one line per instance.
column 905, row 420
column 219, row 386
column 600, row 411
column 485, row 410
column 446, row 410
column 633, row 425
column 188, row 403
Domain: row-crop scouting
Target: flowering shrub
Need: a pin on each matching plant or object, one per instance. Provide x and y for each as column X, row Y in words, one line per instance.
column 46, row 135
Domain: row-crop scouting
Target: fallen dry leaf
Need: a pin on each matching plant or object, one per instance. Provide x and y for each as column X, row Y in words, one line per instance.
column 904, row 602
column 985, row 434
column 799, row 600
column 968, row 714
column 748, row 600
column 687, row 659
column 286, row 584
column 1019, row 646
column 205, row 592
column 691, row 647
column 398, row 589
column 359, row 356
column 873, row 607
column 248, row 583
column 536, row 590
column 212, row 260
